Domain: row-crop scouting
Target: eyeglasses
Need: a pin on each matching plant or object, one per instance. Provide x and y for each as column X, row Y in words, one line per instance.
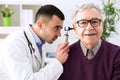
column 93, row 23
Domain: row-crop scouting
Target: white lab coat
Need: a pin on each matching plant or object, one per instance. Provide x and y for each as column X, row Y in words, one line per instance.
column 17, row 63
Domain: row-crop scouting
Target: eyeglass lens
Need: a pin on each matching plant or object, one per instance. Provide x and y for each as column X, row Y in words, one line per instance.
column 93, row 22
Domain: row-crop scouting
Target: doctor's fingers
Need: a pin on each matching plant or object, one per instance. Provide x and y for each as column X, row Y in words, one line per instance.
column 62, row 54
column 63, row 58
column 62, row 45
column 64, row 50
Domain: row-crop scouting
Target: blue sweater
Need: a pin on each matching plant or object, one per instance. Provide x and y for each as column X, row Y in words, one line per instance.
column 104, row 66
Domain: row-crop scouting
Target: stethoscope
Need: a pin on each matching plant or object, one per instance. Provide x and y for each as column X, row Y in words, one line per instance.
column 32, row 50
column 30, row 44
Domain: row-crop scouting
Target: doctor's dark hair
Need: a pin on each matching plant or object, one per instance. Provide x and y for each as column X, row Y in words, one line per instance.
column 48, row 11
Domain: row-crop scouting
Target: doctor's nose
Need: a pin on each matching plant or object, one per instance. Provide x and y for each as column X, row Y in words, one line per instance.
column 59, row 33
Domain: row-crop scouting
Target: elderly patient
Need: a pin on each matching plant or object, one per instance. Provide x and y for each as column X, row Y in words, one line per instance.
column 91, row 58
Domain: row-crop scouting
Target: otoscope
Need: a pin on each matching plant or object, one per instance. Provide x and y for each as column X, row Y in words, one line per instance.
column 66, row 34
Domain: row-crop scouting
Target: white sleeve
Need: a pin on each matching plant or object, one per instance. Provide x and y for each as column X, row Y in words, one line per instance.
column 17, row 66
column 51, row 71
column 22, row 69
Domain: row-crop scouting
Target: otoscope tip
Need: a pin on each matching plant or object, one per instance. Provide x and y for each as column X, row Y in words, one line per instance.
column 68, row 28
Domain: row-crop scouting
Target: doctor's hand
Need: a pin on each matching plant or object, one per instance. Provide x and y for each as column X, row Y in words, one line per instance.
column 62, row 52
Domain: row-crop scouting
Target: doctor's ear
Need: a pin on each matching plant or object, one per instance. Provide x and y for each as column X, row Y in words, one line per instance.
column 40, row 24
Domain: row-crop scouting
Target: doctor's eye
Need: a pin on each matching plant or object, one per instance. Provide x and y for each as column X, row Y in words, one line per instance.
column 58, row 28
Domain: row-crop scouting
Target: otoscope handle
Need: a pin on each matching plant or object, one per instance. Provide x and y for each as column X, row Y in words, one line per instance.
column 66, row 36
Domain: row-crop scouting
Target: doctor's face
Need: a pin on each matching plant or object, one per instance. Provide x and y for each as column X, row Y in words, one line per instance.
column 88, row 26
column 52, row 30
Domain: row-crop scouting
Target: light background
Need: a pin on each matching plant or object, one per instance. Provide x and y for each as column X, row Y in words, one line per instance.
column 68, row 7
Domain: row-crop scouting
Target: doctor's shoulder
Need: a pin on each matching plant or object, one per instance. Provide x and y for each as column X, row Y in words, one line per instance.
column 13, row 36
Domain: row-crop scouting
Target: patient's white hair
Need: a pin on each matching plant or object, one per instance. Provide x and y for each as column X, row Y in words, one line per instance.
column 89, row 6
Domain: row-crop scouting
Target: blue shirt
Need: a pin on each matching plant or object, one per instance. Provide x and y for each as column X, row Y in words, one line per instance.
column 38, row 41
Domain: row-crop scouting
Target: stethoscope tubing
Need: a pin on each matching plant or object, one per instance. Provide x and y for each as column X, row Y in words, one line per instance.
column 32, row 50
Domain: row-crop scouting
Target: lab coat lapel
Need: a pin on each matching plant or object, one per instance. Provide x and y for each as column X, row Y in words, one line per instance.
column 36, row 52
column 38, row 56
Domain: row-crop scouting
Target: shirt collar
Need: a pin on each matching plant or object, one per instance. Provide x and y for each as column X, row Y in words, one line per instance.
column 38, row 41
column 95, row 49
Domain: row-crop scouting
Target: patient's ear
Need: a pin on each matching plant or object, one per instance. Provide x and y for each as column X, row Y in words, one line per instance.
column 74, row 27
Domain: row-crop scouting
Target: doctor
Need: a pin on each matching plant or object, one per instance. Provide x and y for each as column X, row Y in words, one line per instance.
column 21, row 55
